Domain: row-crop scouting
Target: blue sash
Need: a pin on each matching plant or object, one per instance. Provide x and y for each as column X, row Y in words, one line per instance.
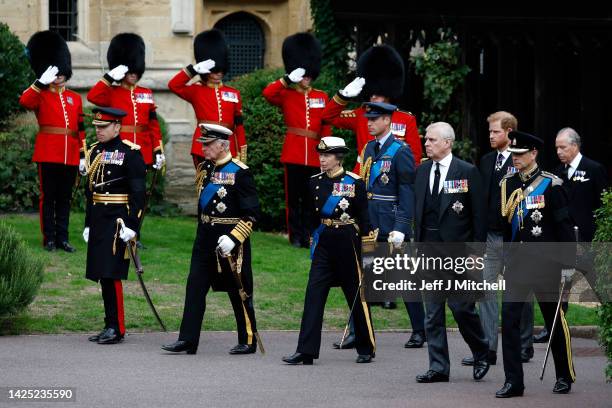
column 211, row 189
column 375, row 170
column 327, row 211
column 537, row 191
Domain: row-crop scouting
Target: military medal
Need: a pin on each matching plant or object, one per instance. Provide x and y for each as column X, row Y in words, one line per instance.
column 344, row 204
column 384, row 178
column 534, row 201
column 385, row 166
column 455, row 186
column 344, row 217
column 398, row 129
column 221, row 207
column 222, row 192
column 224, row 178
column 536, row 231
column 316, row 102
column 536, row 216
column 457, row 207
column 343, row 190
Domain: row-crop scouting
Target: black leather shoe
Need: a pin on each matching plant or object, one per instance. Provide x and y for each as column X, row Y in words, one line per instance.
column 243, row 349
column 349, row 343
column 389, row 305
column 364, row 358
column 491, row 359
column 180, row 346
column 527, row 355
column 431, row 376
column 509, row 391
column 416, row 340
column 110, row 336
column 481, row 368
column 298, row 358
column 96, row 337
column 542, row 336
column 562, row 386
column 50, row 246
column 66, row 247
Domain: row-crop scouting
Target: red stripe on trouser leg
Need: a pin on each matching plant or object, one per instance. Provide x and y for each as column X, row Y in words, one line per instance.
column 287, row 203
column 41, row 197
column 120, row 316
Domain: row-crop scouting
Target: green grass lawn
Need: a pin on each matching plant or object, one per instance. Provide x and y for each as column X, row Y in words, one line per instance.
column 67, row 302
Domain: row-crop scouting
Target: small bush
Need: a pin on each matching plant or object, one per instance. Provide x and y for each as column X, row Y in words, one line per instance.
column 21, row 273
column 15, row 72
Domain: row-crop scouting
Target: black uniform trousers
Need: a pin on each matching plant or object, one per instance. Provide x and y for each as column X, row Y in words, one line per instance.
column 561, row 346
column 467, row 320
column 56, row 184
column 112, row 294
column 298, row 203
column 202, row 272
column 335, row 263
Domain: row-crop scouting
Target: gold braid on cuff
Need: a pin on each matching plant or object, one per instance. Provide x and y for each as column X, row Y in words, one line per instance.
column 242, row 230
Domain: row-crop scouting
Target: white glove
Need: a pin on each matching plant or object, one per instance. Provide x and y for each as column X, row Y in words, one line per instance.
column 126, row 234
column 354, row 88
column 82, row 167
column 160, row 159
column 118, row 72
column 225, row 244
column 296, row 75
column 396, row 238
column 86, row 234
column 49, row 75
column 204, row 67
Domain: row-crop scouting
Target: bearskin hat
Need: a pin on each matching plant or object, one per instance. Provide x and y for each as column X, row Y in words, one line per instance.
column 47, row 48
column 127, row 49
column 211, row 44
column 383, row 70
column 302, row 50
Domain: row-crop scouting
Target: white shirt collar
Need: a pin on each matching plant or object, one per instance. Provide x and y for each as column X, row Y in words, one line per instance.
column 383, row 139
column 504, row 153
column 574, row 164
column 445, row 162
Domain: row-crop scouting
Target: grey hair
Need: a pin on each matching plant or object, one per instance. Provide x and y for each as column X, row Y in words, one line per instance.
column 443, row 129
column 225, row 144
column 572, row 135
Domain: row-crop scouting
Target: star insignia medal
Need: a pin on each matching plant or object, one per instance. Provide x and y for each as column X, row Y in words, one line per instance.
column 384, row 178
column 344, row 204
column 221, row 207
column 536, row 216
column 344, row 217
column 536, row 231
column 222, row 192
column 457, row 207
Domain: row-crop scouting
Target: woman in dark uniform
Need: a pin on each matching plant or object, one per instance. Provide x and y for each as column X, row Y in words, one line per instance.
column 339, row 225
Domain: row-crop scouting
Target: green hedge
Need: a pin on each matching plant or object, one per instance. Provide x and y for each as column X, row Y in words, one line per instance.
column 21, row 273
column 603, row 263
column 15, row 73
column 18, row 175
column 265, row 131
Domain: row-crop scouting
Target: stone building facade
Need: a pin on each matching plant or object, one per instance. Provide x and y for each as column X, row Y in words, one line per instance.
column 168, row 28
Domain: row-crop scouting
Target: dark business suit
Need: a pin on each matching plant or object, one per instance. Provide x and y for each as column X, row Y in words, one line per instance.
column 438, row 219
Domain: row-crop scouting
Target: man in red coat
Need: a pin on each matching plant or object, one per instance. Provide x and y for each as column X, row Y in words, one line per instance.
column 59, row 149
column 302, row 108
column 213, row 102
column 126, row 60
column 383, row 71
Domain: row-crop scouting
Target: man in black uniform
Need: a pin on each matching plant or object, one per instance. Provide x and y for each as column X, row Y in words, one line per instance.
column 115, row 191
column 227, row 209
column 341, row 222
column 534, row 205
column 449, row 208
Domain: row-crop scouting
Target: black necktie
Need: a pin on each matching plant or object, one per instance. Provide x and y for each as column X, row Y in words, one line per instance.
column 499, row 162
column 436, row 184
column 376, row 148
column 564, row 173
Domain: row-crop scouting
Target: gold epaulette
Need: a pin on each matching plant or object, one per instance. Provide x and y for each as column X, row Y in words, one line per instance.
column 349, row 113
column 556, row 181
column 133, row 146
column 240, row 164
column 353, row 175
column 317, row 175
